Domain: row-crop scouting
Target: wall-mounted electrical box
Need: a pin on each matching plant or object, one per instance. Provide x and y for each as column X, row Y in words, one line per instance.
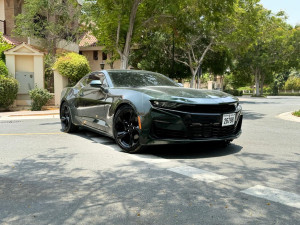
column 26, row 81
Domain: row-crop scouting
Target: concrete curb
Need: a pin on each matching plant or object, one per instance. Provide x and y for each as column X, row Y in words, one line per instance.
column 25, row 115
column 28, row 117
column 288, row 116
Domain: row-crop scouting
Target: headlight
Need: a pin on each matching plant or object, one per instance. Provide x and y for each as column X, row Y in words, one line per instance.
column 161, row 104
column 238, row 107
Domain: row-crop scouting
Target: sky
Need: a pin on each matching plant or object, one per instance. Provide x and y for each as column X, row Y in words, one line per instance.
column 291, row 8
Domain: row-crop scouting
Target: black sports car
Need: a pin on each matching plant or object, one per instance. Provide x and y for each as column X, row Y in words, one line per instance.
column 139, row 108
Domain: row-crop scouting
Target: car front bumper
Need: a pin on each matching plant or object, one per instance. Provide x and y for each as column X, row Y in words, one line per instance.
column 172, row 127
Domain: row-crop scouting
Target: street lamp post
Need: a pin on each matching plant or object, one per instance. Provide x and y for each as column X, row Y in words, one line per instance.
column 102, row 65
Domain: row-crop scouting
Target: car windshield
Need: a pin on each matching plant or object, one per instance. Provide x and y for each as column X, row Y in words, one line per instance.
column 139, row 79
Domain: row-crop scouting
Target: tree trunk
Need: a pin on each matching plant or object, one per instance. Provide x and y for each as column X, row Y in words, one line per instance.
column 262, row 80
column 126, row 50
column 257, row 84
column 199, row 74
column 192, row 82
column 193, row 77
column 124, row 62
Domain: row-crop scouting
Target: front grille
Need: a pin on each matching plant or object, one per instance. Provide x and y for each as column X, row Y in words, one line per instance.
column 211, row 131
column 198, row 131
column 223, row 108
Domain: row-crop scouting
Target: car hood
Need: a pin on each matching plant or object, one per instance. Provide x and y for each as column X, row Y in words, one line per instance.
column 186, row 95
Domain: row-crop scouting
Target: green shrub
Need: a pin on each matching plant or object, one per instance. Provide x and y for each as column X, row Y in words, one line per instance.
column 3, row 68
column 3, row 47
column 8, row 91
column 268, row 90
column 297, row 113
column 73, row 66
column 39, row 98
column 248, row 89
column 293, row 83
column 234, row 92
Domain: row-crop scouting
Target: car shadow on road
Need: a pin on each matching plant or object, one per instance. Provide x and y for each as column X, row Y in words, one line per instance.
column 250, row 115
column 56, row 186
column 192, row 151
column 178, row 151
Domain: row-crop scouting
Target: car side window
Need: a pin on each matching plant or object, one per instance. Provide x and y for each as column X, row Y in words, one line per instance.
column 97, row 76
column 81, row 83
column 84, row 81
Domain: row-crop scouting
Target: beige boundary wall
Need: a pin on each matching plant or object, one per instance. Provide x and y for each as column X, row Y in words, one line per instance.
column 2, row 10
column 60, row 82
column 25, row 59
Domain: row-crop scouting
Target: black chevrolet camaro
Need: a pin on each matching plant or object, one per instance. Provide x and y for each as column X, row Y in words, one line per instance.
column 140, row 108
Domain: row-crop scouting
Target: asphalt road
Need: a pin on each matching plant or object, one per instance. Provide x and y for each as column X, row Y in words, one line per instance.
column 48, row 177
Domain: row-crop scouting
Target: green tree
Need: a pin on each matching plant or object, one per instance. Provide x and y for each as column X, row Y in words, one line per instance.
column 199, row 29
column 152, row 56
column 199, row 36
column 52, row 24
column 49, row 21
column 118, row 24
column 270, row 52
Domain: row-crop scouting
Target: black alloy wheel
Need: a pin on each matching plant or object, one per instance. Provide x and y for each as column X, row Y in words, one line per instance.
column 126, row 129
column 66, row 119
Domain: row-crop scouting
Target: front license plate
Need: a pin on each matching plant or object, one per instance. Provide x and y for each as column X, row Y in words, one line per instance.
column 228, row 119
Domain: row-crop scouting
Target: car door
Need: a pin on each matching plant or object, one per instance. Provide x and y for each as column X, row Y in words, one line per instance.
column 93, row 103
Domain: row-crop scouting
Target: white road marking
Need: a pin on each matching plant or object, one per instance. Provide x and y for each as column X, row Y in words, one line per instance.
column 274, row 195
column 149, row 158
column 140, row 157
column 198, row 174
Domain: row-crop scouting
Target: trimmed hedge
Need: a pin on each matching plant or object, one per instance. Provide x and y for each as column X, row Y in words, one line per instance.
column 3, row 68
column 8, row 91
column 73, row 66
column 39, row 98
column 234, row 92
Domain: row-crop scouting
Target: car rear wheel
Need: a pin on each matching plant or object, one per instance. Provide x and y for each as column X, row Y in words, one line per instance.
column 66, row 119
column 126, row 129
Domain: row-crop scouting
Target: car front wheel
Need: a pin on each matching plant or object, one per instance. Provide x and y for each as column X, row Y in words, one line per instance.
column 126, row 129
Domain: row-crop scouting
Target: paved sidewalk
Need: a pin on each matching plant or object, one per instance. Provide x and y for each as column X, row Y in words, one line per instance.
column 289, row 116
column 29, row 114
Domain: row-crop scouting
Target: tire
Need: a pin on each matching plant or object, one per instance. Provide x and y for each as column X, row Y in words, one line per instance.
column 66, row 119
column 126, row 130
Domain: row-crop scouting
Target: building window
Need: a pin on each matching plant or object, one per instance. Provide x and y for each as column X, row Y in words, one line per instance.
column 95, row 55
column 104, row 56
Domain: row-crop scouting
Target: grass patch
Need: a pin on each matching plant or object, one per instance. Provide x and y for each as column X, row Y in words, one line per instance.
column 297, row 113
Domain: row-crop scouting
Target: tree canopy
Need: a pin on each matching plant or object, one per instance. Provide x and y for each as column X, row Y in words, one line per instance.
column 49, row 21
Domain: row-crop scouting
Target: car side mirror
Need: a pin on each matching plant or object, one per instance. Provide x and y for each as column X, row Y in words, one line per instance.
column 180, row 84
column 96, row 83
